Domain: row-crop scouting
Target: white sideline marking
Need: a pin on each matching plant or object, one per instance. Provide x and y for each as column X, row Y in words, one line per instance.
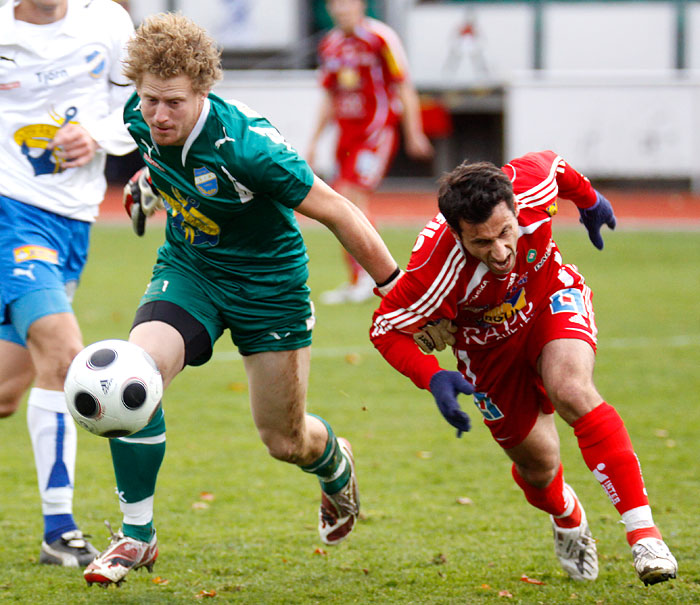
column 671, row 342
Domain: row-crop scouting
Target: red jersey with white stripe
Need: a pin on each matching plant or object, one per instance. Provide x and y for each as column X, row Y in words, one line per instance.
column 361, row 71
column 444, row 281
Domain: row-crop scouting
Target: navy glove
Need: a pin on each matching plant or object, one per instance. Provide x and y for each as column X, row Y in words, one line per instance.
column 445, row 386
column 595, row 217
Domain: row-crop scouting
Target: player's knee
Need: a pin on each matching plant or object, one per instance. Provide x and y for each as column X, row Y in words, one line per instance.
column 540, row 473
column 9, row 402
column 573, row 399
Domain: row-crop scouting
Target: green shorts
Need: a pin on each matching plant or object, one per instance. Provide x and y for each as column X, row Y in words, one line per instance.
column 261, row 317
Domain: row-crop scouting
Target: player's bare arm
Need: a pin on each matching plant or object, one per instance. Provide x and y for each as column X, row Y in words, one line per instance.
column 351, row 227
column 417, row 144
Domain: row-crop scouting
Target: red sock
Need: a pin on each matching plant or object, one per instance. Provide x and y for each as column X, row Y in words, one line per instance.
column 551, row 499
column 608, row 453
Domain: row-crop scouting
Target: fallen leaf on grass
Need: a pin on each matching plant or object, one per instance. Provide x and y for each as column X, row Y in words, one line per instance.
column 529, row 580
column 353, row 359
column 670, row 443
column 205, row 593
column 199, row 505
column 207, row 496
column 464, row 500
column 320, row 551
column 661, row 433
column 439, row 559
column 424, row 455
column 365, row 571
column 485, row 586
column 237, row 387
column 505, row 593
column 159, row 580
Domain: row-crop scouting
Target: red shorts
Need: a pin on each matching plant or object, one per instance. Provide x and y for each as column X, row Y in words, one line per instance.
column 510, row 391
column 364, row 162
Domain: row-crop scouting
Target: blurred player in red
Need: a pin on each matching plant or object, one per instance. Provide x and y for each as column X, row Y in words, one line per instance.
column 367, row 93
column 486, row 277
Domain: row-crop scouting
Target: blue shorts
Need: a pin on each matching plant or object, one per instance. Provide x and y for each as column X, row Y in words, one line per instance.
column 42, row 256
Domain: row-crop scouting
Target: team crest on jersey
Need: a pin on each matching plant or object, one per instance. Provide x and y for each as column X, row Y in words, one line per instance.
column 99, row 66
column 205, row 181
column 531, row 255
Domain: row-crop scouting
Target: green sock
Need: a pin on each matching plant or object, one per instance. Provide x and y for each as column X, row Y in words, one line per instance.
column 331, row 468
column 136, row 467
column 138, row 532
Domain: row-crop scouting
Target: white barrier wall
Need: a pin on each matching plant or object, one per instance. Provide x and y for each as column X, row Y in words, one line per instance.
column 290, row 100
column 609, row 126
column 609, row 36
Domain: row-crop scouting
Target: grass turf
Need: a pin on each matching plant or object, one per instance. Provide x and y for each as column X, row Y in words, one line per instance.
column 234, row 522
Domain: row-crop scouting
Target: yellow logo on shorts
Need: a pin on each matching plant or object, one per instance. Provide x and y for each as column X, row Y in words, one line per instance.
column 26, row 253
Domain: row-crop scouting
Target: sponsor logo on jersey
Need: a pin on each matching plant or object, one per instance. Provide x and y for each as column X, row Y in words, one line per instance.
column 33, row 141
column 507, row 309
column 9, row 85
column 205, row 181
column 194, row 226
column 149, row 160
column 29, row 253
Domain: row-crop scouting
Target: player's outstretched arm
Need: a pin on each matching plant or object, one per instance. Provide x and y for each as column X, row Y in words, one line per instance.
column 593, row 218
column 352, row 228
column 141, row 200
column 445, row 387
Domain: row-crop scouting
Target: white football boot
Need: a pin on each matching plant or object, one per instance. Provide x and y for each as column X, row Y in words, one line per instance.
column 122, row 555
column 339, row 511
column 575, row 548
column 653, row 561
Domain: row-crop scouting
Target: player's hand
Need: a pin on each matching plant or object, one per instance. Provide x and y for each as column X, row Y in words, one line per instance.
column 593, row 218
column 141, row 200
column 74, row 146
column 445, row 386
column 435, row 335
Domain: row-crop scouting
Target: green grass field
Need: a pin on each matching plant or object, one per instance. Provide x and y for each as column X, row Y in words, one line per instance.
column 256, row 541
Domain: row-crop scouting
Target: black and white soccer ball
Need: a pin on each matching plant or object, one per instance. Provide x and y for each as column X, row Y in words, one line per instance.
column 113, row 388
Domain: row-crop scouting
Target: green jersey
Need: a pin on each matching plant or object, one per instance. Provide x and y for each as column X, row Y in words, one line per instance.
column 229, row 191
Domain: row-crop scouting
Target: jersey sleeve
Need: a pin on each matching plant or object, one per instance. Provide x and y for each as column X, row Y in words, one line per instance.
column 109, row 130
column 574, row 186
column 271, row 166
column 426, row 292
column 391, row 52
column 540, row 177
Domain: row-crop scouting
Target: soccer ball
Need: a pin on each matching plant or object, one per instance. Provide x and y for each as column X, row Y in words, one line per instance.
column 113, row 388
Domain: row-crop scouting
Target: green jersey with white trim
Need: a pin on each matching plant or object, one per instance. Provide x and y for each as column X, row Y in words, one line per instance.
column 229, row 192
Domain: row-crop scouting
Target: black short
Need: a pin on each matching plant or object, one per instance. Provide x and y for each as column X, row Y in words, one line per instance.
column 198, row 345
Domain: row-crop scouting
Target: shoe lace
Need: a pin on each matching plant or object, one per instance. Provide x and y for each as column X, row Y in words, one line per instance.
column 113, row 536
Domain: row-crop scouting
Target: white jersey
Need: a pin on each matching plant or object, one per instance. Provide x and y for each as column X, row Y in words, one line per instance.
column 50, row 74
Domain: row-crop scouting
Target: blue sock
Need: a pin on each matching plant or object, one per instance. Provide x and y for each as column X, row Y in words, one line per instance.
column 56, row 525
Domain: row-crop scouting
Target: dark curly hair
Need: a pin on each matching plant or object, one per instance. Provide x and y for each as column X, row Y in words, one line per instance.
column 470, row 192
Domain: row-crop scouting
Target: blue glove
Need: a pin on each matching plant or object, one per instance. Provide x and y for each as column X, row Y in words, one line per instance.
column 595, row 217
column 445, row 386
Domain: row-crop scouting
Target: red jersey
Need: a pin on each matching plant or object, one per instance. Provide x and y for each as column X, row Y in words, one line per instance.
column 361, row 72
column 444, row 281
